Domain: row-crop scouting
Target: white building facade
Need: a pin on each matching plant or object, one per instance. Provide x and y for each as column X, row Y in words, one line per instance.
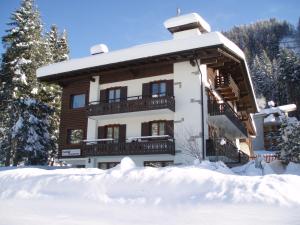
column 162, row 103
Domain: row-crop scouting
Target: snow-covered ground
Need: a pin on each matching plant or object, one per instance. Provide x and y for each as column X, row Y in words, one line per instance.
column 208, row 193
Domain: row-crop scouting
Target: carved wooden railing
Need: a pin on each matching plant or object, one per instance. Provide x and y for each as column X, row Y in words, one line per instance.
column 215, row 109
column 223, row 83
column 131, row 104
column 128, row 148
column 225, row 150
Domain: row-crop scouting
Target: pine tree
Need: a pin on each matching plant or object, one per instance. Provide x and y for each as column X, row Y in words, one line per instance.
column 297, row 36
column 289, row 78
column 31, row 132
column 290, row 142
column 57, row 51
column 24, row 53
column 262, row 75
column 262, row 35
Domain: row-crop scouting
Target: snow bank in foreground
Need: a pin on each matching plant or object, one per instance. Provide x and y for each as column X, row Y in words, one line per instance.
column 132, row 185
column 274, row 167
column 206, row 193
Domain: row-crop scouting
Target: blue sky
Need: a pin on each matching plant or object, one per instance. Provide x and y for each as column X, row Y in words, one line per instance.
column 120, row 24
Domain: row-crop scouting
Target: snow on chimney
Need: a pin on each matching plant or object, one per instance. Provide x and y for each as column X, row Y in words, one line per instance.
column 98, row 49
column 187, row 25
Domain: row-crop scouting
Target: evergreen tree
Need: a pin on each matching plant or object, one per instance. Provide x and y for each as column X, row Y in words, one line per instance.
column 289, row 78
column 262, row 35
column 24, row 53
column 290, row 142
column 297, row 36
column 262, row 76
column 31, row 131
column 58, row 50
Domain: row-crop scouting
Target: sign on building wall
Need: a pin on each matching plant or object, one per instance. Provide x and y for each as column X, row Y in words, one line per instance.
column 70, row 152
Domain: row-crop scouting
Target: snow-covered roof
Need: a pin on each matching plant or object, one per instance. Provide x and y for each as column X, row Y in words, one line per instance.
column 187, row 19
column 264, row 152
column 142, row 51
column 288, row 108
column 278, row 109
column 270, row 119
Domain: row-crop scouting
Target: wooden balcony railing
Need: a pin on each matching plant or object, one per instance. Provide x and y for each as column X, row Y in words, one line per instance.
column 227, row 87
column 128, row 148
column 131, row 104
column 222, row 151
column 215, row 109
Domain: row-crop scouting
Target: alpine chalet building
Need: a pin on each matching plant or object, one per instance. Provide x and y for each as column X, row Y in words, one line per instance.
column 160, row 103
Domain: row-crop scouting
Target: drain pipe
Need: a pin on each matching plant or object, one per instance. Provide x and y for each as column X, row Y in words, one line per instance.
column 202, row 107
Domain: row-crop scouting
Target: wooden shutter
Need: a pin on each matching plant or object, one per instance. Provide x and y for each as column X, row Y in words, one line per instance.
column 101, row 132
column 170, row 128
column 170, row 87
column 145, row 129
column 122, row 133
column 103, row 96
column 123, row 94
column 146, row 90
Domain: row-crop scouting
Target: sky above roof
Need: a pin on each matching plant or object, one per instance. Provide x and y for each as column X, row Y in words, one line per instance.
column 121, row 24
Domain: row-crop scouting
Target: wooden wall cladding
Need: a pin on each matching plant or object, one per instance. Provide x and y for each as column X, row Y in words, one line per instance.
column 73, row 118
column 136, row 73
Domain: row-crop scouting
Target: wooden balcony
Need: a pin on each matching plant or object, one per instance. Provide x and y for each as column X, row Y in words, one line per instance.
column 128, row 148
column 224, row 151
column 216, row 109
column 227, row 87
column 131, row 104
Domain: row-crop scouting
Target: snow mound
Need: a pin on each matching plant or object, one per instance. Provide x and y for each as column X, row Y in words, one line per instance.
column 128, row 184
column 127, row 164
column 214, row 166
column 128, row 194
column 293, row 168
column 275, row 167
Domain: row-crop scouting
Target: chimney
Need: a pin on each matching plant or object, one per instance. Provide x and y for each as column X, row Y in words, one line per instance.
column 187, row 25
column 98, row 49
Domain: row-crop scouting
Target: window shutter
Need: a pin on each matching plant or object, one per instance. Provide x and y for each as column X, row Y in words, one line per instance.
column 103, row 96
column 101, row 132
column 170, row 128
column 170, row 87
column 122, row 133
column 145, row 129
column 123, row 95
column 146, row 90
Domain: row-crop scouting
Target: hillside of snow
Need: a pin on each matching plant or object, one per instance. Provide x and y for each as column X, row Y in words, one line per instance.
column 208, row 193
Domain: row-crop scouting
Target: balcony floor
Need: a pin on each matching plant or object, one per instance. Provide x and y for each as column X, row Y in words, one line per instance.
column 132, row 114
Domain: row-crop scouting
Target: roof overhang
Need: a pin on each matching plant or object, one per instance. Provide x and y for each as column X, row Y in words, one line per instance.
column 213, row 49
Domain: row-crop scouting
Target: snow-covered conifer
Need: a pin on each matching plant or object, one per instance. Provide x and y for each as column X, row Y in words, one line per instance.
column 290, row 143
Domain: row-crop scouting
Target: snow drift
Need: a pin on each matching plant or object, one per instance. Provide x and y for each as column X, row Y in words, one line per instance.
column 126, row 189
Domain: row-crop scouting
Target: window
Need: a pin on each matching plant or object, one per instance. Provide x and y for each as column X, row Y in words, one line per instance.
column 77, row 101
column 114, row 95
column 80, row 166
column 158, row 128
column 74, row 136
column 113, row 132
column 158, row 163
column 107, row 165
column 158, row 89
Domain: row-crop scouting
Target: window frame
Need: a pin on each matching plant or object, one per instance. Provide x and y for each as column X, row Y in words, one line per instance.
column 72, row 101
column 158, row 122
column 107, row 165
column 160, row 94
column 69, row 133
column 163, row 163
column 114, row 89
column 113, row 126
